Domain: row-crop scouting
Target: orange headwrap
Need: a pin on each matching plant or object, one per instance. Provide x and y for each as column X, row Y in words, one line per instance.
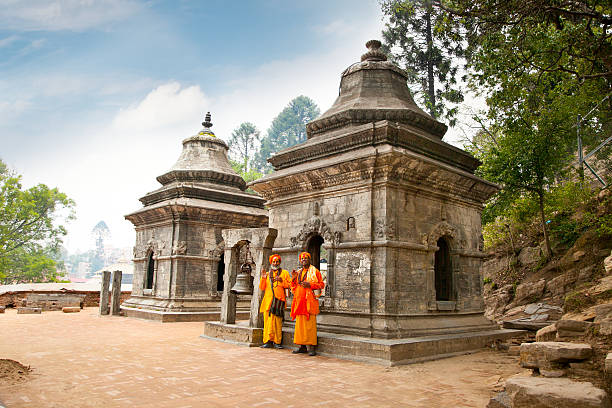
column 273, row 257
column 304, row 255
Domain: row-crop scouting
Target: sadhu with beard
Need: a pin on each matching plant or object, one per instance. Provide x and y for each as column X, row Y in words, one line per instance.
column 305, row 306
column 272, row 306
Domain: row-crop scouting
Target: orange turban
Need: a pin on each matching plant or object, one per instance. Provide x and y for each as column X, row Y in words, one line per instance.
column 304, row 255
column 273, row 257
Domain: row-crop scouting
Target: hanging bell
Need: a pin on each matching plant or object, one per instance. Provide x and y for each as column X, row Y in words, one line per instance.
column 244, row 281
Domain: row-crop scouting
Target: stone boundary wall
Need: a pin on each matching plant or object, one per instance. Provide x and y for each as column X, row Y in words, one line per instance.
column 92, row 298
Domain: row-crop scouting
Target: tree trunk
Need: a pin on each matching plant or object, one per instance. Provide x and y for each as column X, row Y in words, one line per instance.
column 431, row 92
column 544, row 229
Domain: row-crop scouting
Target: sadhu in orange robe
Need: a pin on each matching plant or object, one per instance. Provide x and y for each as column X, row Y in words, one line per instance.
column 273, row 324
column 305, row 306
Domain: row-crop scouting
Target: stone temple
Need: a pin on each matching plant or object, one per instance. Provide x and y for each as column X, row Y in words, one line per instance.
column 395, row 209
column 374, row 194
column 178, row 256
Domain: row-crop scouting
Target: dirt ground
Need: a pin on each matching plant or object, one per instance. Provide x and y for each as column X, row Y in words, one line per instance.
column 82, row 360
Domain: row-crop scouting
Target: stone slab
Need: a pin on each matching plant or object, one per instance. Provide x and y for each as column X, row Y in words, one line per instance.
column 238, row 333
column 71, row 309
column 29, row 310
column 531, row 392
column 543, row 354
column 524, row 325
column 608, row 364
column 171, row 317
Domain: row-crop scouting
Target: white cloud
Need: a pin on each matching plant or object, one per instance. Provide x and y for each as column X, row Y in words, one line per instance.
column 8, row 40
column 54, row 15
column 165, row 106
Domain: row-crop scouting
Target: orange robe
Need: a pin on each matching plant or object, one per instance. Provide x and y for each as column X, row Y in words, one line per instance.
column 305, row 306
column 273, row 325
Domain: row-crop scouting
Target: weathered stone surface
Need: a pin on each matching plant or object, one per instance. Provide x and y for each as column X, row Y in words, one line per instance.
column 576, row 256
column 548, row 333
column 543, row 354
column 572, row 328
column 500, row 400
column 529, row 255
column 71, row 309
column 529, row 291
column 104, row 285
column 524, row 325
column 53, row 301
column 2, row 308
column 605, row 327
column 29, row 310
column 552, row 373
column 538, row 392
column 608, row 363
column 608, row 263
column 603, row 312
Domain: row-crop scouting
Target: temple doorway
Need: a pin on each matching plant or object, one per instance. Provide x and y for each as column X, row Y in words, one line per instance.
column 443, row 272
column 317, row 252
column 150, row 271
column 220, row 273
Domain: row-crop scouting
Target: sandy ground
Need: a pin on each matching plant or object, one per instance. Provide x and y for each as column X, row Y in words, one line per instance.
column 82, row 360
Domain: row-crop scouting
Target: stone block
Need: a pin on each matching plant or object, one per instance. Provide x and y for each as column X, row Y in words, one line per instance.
column 530, row 392
column 576, row 256
column 608, row 364
column 2, row 308
column 605, row 327
column 548, row 333
column 548, row 354
column 529, row 255
column 572, row 328
column 29, row 310
column 608, row 263
column 529, row 291
column 71, row 309
column 500, row 400
column 603, row 312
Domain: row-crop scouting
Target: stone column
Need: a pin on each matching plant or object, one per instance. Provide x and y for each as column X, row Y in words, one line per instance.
column 116, row 293
column 104, row 293
column 228, row 299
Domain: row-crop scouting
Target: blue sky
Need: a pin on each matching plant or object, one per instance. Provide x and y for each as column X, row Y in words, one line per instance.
column 97, row 95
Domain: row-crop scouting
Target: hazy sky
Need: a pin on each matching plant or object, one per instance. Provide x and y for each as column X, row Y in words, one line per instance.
column 97, row 95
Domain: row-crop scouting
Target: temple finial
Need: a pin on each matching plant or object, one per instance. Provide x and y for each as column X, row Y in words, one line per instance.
column 207, row 123
column 374, row 53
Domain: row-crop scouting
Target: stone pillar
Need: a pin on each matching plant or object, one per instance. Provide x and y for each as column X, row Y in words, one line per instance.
column 116, row 293
column 261, row 241
column 228, row 299
column 104, row 293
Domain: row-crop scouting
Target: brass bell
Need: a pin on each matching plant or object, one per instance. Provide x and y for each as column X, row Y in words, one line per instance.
column 244, row 281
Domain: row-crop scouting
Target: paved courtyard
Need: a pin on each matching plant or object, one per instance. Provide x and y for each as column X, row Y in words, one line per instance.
column 82, row 360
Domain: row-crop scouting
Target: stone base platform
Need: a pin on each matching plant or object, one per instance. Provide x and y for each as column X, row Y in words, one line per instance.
column 387, row 352
column 170, row 317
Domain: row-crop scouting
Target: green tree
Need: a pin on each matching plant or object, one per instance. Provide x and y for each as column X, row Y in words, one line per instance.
column 287, row 129
column 242, row 142
column 29, row 232
column 427, row 42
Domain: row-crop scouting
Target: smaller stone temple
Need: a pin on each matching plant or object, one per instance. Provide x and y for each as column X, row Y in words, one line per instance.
column 179, row 250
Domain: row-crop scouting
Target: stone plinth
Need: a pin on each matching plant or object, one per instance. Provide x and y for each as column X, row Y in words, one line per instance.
column 71, row 309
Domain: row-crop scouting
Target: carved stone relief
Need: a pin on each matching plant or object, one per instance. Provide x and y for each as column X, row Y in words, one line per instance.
column 180, row 248
column 442, row 229
column 315, row 226
column 384, row 229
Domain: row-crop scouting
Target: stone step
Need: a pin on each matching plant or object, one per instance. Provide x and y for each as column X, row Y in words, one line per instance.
column 29, row 310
